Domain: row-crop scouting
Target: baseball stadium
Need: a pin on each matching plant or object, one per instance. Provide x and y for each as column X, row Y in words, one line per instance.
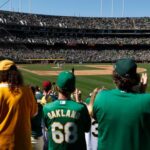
column 44, row 45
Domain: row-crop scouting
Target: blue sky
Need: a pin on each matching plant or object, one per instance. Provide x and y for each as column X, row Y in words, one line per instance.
column 90, row 8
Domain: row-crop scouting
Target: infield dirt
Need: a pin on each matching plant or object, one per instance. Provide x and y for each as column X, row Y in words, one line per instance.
column 100, row 70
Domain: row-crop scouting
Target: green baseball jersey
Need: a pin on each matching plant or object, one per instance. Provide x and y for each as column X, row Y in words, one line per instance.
column 36, row 123
column 123, row 120
column 87, row 100
column 66, row 121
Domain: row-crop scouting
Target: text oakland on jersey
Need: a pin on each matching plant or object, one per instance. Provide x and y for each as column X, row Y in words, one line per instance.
column 61, row 113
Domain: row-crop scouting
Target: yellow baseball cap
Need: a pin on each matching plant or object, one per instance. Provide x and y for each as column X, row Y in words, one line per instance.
column 6, row 64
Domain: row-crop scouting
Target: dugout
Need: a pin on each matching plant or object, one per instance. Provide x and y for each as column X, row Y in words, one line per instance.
column 45, row 61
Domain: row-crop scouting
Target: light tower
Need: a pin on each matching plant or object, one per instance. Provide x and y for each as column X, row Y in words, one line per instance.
column 101, row 11
column 20, row 5
column 123, row 3
column 112, row 8
column 30, row 6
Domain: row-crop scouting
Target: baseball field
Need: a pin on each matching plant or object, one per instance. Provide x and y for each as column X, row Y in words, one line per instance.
column 88, row 76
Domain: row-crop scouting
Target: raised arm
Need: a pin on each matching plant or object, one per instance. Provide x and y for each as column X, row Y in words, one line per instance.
column 90, row 105
column 143, row 82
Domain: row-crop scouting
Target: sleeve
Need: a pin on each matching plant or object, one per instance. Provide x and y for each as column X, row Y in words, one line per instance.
column 33, row 104
column 44, row 114
column 95, row 106
column 86, row 119
column 146, row 111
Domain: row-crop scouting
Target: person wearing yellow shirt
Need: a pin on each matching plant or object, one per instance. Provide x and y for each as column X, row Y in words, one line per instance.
column 17, row 106
column 46, row 92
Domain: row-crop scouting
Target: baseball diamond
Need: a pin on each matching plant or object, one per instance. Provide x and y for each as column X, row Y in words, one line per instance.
column 91, row 75
column 101, row 70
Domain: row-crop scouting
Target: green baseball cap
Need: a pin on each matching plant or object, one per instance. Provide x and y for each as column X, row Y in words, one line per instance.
column 125, row 67
column 66, row 81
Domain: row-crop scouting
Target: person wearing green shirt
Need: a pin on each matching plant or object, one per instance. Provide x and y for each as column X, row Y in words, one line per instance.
column 123, row 114
column 66, row 120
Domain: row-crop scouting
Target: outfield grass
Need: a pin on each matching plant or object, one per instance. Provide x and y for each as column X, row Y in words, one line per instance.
column 53, row 67
column 85, row 83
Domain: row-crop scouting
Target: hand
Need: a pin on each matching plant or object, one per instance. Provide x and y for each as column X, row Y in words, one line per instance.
column 77, row 95
column 144, row 79
column 90, row 105
column 143, row 82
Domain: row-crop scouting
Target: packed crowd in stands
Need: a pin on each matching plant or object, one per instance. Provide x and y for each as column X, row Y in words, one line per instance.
column 72, row 41
column 75, row 55
column 73, row 22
